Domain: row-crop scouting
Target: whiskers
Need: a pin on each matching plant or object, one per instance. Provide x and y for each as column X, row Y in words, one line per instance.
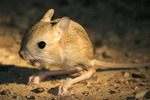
column 39, row 56
column 17, row 45
column 44, row 59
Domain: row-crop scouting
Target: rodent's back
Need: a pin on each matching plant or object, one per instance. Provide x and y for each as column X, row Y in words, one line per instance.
column 76, row 40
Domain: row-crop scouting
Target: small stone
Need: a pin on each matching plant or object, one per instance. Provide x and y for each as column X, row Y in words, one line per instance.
column 136, row 88
column 126, row 75
column 39, row 90
column 86, row 93
column 140, row 94
column 28, row 96
column 141, row 84
column 6, row 92
column 138, row 76
column 130, row 98
column 126, row 82
column 116, row 87
column 31, row 97
column 147, row 95
column 112, row 92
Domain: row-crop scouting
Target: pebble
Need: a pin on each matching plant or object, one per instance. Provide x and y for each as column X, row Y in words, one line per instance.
column 141, row 84
column 138, row 76
column 130, row 98
column 86, row 93
column 116, row 87
column 143, row 94
column 136, row 88
column 112, row 92
column 6, row 92
column 147, row 95
column 126, row 75
column 31, row 97
column 39, row 90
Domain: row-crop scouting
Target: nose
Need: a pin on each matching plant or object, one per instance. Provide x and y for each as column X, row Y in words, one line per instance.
column 22, row 54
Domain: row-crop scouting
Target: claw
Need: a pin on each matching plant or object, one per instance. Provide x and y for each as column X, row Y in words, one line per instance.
column 35, row 79
column 63, row 88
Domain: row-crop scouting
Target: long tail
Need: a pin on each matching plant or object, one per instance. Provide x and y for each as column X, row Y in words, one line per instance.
column 118, row 65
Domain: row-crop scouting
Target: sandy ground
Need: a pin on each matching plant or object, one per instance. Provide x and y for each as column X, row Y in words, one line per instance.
column 117, row 38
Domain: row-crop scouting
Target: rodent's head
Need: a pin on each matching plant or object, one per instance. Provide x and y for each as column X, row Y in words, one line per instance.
column 40, row 45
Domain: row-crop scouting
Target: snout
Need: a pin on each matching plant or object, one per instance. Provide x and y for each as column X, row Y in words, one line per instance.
column 22, row 54
column 25, row 55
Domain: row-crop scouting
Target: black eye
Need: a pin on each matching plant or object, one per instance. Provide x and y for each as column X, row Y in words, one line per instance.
column 41, row 45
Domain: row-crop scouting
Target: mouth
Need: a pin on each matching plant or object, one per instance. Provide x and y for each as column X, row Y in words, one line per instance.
column 35, row 63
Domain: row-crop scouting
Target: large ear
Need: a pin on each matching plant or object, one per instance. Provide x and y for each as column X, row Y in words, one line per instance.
column 47, row 17
column 61, row 27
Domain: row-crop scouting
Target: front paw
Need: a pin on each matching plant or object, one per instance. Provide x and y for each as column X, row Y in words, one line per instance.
column 35, row 79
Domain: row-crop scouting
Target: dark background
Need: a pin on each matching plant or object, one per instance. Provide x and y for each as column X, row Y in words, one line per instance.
column 104, row 18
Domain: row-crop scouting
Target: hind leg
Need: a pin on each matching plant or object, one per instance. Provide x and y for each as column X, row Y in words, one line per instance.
column 37, row 78
column 63, row 88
